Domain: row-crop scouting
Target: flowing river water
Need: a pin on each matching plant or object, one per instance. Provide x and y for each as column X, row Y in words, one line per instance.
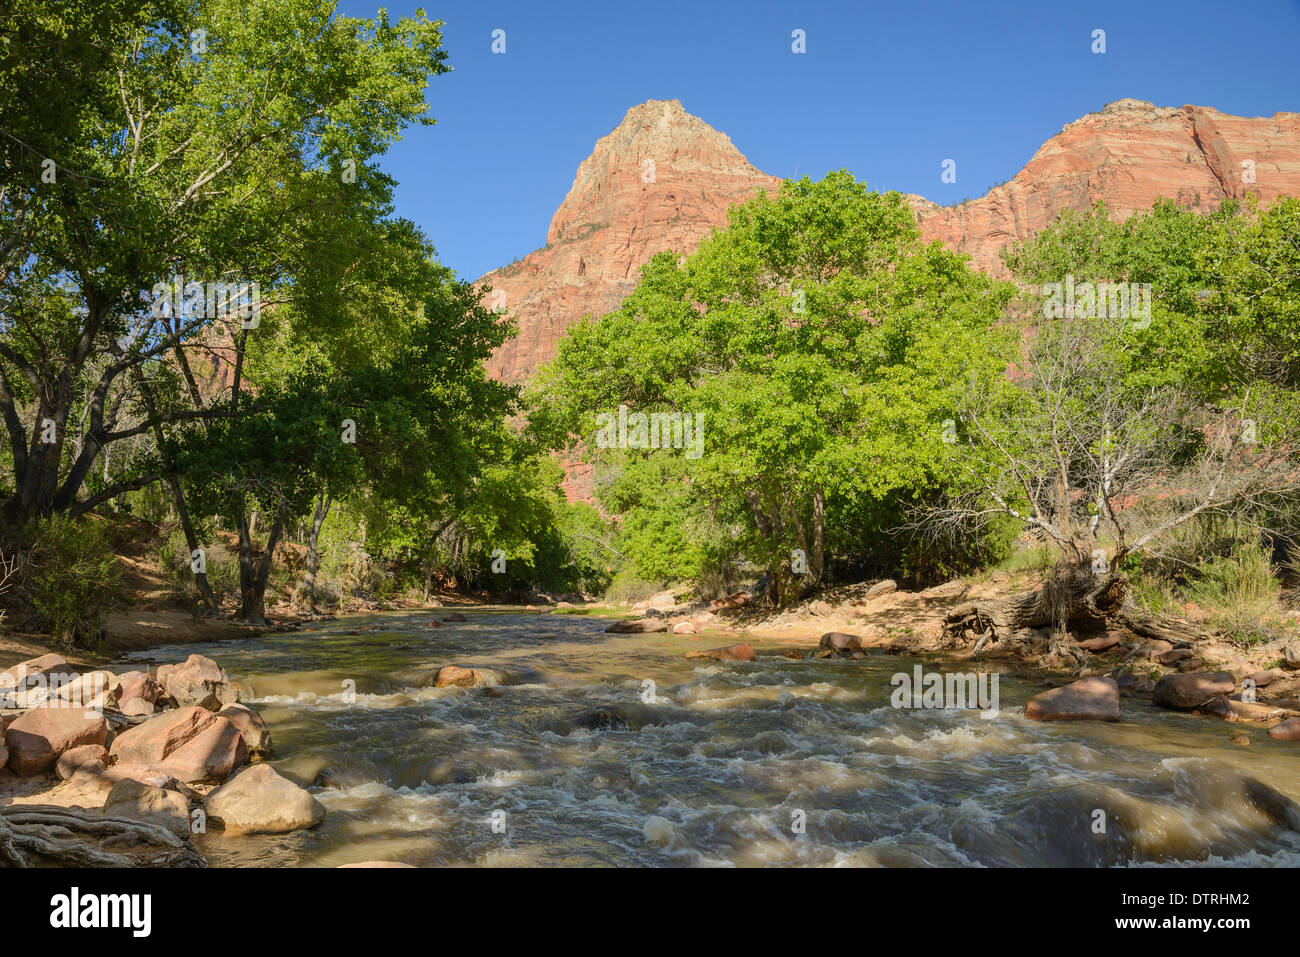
column 772, row 762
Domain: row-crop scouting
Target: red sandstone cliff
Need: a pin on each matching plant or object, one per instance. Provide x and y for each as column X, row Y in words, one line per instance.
column 621, row 211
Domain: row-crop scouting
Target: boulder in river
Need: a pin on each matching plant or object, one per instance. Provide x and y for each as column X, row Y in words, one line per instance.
column 1184, row 692
column 258, row 800
column 192, row 744
column 638, row 626
column 36, row 738
column 454, row 675
column 684, row 628
column 741, row 652
column 250, row 724
column 198, row 681
column 1288, row 730
column 841, row 643
column 1095, row 699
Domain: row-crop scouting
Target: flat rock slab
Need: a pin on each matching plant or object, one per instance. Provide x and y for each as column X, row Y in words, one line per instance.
column 1092, row 699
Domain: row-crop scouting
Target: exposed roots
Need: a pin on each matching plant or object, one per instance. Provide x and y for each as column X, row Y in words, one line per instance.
column 40, row 835
column 1072, row 601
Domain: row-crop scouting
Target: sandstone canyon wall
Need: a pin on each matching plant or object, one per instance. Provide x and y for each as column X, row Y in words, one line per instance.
column 664, row 179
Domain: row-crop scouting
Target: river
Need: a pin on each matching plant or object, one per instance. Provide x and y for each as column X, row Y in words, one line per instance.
column 580, row 761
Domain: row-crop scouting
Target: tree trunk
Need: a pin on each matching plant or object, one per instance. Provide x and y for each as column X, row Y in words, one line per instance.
column 192, row 542
column 254, row 573
column 307, row 593
column 1073, row 600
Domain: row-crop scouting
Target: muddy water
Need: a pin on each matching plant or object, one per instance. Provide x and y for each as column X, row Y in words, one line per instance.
column 722, row 764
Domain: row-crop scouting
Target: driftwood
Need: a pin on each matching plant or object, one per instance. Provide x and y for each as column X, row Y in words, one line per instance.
column 1072, row 600
column 42, row 835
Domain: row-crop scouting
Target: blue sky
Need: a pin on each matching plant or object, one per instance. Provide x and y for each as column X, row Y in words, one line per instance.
column 888, row 90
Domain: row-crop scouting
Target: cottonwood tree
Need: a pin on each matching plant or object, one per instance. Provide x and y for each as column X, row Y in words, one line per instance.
column 217, row 141
column 822, row 342
column 1086, row 458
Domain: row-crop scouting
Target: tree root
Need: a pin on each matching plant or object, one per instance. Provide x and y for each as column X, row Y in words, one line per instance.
column 40, row 835
column 1072, row 600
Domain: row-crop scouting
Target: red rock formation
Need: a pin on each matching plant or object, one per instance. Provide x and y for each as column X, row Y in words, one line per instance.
column 614, row 219
column 1130, row 154
column 663, row 179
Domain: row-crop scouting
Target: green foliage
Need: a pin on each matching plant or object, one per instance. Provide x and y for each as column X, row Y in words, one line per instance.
column 823, row 345
column 70, row 577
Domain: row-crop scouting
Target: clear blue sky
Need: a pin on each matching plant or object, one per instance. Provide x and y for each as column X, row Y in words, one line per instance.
column 888, row 90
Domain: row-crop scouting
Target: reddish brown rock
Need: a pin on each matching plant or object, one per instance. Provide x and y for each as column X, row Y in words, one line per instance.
column 27, row 683
column 250, row 724
column 1100, row 643
column 198, row 681
column 1288, row 730
column 619, row 212
column 638, row 626
column 455, row 675
column 36, row 738
column 1185, row 692
column 1095, row 699
column 140, row 693
column 738, row 600
column 684, row 628
column 192, row 744
column 881, row 589
column 840, row 642
column 84, row 757
column 137, row 801
column 741, row 652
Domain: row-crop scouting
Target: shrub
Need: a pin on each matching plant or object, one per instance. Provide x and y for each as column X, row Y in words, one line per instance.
column 70, row 577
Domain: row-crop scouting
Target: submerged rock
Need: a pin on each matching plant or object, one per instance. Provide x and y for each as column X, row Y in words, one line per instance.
column 1094, row 699
column 741, row 652
column 1288, row 730
column 638, row 626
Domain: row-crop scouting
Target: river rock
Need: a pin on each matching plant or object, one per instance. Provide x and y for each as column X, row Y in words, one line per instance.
column 1095, row 699
column 259, row 801
column 1184, row 692
column 637, row 626
column 1100, row 643
column 87, row 757
column 26, row 684
column 1288, row 730
column 741, row 652
column 138, row 801
column 456, row 617
column 882, row 588
column 684, row 628
column 36, row 738
column 94, row 689
column 140, row 693
column 841, row 643
column 192, row 744
column 200, row 682
column 250, row 724
column 662, row 601
column 739, row 600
